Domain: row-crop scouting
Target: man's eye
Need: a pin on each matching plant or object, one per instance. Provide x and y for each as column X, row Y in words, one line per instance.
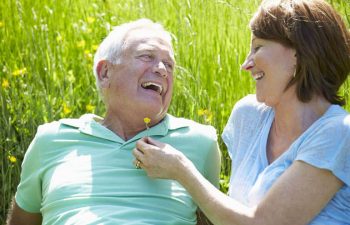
column 146, row 57
column 168, row 65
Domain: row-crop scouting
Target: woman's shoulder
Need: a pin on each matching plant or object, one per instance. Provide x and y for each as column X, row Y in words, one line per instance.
column 331, row 131
column 326, row 144
column 247, row 117
column 250, row 103
column 336, row 121
column 248, row 108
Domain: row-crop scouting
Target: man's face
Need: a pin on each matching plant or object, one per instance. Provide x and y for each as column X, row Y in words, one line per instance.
column 142, row 84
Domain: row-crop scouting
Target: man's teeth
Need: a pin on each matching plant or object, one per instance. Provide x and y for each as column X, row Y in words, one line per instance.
column 153, row 86
column 258, row 76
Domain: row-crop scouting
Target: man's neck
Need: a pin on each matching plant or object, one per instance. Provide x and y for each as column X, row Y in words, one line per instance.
column 126, row 128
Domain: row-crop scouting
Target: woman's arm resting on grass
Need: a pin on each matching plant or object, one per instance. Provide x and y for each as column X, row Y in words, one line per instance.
column 18, row 216
column 296, row 198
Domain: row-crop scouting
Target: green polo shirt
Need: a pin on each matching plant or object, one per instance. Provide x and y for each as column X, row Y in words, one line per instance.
column 77, row 171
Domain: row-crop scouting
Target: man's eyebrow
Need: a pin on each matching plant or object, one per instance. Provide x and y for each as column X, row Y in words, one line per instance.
column 151, row 50
column 145, row 50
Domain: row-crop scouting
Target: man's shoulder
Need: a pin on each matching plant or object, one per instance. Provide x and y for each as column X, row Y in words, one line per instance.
column 192, row 127
column 79, row 122
column 63, row 126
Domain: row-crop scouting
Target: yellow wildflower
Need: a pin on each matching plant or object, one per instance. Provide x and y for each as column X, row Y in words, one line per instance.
column 66, row 109
column 208, row 116
column 19, row 72
column 90, row 108
column 94, row 47
column 202, row 112
column 81, row 44
column 2, row 24
column 12, row 159
column 88, row 54
column 59, row 38
column 70, row 76
column 90, row 19
column 147, row 121
column 5, row 83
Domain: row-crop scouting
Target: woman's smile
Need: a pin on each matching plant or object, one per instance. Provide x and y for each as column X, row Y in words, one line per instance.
column 258, row 76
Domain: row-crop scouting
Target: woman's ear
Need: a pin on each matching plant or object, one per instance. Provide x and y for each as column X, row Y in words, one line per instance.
column 102, row 73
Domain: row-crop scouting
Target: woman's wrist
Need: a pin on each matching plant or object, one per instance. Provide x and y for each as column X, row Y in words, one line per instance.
column 185, row 170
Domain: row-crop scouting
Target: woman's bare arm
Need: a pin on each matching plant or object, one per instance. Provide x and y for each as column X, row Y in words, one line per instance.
column 296, row 198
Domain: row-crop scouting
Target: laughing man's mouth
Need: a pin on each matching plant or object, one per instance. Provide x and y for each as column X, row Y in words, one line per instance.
column 153, row 86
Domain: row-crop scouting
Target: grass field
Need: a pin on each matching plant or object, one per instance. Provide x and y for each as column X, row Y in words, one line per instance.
column 46, row 52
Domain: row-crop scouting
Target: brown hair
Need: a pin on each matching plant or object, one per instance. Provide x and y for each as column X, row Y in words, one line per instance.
column 319, row 36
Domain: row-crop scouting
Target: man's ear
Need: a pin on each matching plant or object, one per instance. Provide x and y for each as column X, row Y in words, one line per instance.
column 102, row 73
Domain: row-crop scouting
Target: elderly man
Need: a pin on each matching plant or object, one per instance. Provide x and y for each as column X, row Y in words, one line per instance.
column 80, row 171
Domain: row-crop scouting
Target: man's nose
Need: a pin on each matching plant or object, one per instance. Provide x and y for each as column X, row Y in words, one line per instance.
column 248, row 64
column 160, row 69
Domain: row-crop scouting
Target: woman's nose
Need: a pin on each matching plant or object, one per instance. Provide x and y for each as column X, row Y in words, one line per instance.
column 248, row 64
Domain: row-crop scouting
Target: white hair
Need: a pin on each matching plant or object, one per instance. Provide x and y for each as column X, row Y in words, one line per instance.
column 113, row 45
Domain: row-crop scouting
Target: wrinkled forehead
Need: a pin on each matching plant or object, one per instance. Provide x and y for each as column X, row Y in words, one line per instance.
column 148, row 39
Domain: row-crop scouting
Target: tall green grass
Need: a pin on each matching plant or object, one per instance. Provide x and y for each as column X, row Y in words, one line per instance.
column 46, row 50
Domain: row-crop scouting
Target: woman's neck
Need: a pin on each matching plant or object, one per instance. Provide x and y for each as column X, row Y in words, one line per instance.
column 292, row 118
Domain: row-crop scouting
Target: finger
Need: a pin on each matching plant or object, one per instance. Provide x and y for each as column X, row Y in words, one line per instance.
column 137, row 153
column 138, row 150
column 155, row 142
column 146, row 148
column 137, row 163
column 141, row 145
column 144, row 139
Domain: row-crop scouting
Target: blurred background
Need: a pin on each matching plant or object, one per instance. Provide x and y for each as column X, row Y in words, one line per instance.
column 46, row 57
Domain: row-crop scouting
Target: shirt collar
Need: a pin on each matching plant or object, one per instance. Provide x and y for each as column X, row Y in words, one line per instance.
column 89, row 124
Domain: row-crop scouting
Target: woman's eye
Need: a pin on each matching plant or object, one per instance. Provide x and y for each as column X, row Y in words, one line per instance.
column 257, row 48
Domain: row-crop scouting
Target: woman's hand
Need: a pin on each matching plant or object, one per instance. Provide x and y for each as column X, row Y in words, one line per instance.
column 158, row 159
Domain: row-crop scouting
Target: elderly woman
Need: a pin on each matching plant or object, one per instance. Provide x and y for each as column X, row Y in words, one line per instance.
column 289, row 143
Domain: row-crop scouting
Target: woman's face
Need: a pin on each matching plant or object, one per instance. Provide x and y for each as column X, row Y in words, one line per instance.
column 272, row 66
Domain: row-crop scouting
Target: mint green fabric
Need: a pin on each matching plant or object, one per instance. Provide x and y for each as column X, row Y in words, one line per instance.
column 76, row 171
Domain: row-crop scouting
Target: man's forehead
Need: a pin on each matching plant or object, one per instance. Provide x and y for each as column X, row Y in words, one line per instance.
column 151, row 45
column 147, row 37
column 148, row 43
column 148, row 32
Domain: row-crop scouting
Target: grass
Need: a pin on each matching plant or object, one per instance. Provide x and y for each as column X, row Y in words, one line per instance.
column 46, row 50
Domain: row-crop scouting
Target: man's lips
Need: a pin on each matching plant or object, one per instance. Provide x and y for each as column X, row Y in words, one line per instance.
column 153, row 86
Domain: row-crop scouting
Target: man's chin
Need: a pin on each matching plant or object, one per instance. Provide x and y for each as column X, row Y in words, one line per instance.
column 155, row 115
